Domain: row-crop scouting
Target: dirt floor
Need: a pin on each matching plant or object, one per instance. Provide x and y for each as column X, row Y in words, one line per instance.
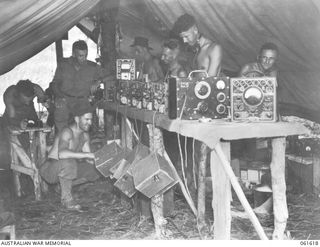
column 105, row 216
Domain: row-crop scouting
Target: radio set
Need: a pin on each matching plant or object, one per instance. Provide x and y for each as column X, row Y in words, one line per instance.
column 238, row 99
column 126, row 69
column 253, row 99
column 195, row 98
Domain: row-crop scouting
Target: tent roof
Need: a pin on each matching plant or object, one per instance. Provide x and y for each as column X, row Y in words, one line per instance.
column 240, row 26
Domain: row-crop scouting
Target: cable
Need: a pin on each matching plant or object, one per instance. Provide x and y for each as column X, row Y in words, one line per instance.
column 185, row 151
column 183, row 106
column 193, row 165
column 182, row 165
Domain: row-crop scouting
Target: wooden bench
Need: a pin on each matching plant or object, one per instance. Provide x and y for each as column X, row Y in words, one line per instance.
column 28, row 164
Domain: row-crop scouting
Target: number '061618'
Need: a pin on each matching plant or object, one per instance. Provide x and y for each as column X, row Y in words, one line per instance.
column 309, row 242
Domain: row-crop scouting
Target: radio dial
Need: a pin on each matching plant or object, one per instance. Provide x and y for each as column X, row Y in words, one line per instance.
column 203, row 107
column 221, row 85
column 221, row 109
column 221, row 97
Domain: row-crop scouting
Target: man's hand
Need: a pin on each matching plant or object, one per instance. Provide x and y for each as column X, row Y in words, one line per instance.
column 94, row 86
column 23, row 124
column 90, row 155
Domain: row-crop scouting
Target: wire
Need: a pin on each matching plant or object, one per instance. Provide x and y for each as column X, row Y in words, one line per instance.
column 182, row 165
column 183, row 106
column 193, row 165
column 185, row 151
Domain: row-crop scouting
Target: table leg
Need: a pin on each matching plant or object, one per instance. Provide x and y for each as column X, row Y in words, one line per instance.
column 277, row 166
column 36, row 177
column 221, row 194
column 126, row 133
column 156, row 143
column 202, row 187
column 42, row 158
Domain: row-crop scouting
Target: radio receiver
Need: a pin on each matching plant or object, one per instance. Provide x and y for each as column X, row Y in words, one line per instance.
column 196, row 98
column 126, row 69
column 253, row 99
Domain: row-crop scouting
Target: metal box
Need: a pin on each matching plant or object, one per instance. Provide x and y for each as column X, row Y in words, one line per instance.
column 125, row 181
column 108, row 157
column 153, row 175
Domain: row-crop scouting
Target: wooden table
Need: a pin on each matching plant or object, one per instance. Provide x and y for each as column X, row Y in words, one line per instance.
column 28, row 162
column 217, row 135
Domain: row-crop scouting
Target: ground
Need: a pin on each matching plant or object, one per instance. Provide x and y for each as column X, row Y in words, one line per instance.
column 105, row 216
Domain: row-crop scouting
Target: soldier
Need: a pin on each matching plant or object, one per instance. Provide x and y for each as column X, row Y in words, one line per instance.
column 70, row 161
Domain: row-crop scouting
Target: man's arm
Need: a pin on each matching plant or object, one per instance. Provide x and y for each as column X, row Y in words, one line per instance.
column 39, row 93
column 8, row 99
column 86, row 147
column 63, row 148
column 215, row 57
column 244, row 71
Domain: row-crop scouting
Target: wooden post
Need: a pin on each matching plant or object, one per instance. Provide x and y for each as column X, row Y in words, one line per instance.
column 202, row 187
column 126, row 142
column 107, row 17
column 316, row 174
column 126, row 133
column 277, row 166
column 36, row 177
column 59, row 50
column 156, row 143
column 221, row 194
column 42, row 157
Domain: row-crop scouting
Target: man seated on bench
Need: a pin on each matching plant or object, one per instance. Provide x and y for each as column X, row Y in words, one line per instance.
column 70, row 161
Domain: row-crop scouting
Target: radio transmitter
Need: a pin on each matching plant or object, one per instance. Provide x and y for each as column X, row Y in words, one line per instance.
column 193, row 98
column 253, row 99
column 126, row 69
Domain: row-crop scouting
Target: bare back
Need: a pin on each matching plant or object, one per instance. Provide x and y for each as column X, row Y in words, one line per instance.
column 209, row 57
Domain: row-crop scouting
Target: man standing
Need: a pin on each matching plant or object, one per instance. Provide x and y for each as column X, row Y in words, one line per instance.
column 20, row 110
column 208, row 57
column 265, row 66
column 209, row 53
column 74, row 80
column 148, row 64
column 70, row 161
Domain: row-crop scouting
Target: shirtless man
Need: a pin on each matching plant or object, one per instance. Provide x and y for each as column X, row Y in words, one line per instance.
column 208, row 58
column 170, row 56
column 209, row 53
column 20, row 109
column 70, row 161
column 265, row 64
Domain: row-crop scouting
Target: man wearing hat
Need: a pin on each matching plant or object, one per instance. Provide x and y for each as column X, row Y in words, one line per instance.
column 70, row 161
column 208, row 53
column 148, row 64
column 20, row 110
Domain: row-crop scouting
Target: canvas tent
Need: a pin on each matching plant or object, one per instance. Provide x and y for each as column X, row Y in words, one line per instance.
column 240, row 26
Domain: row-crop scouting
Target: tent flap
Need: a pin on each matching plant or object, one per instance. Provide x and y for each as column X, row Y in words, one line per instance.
column 29, row 26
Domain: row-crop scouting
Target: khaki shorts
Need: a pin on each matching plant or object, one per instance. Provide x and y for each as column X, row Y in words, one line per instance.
column 71, row 169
